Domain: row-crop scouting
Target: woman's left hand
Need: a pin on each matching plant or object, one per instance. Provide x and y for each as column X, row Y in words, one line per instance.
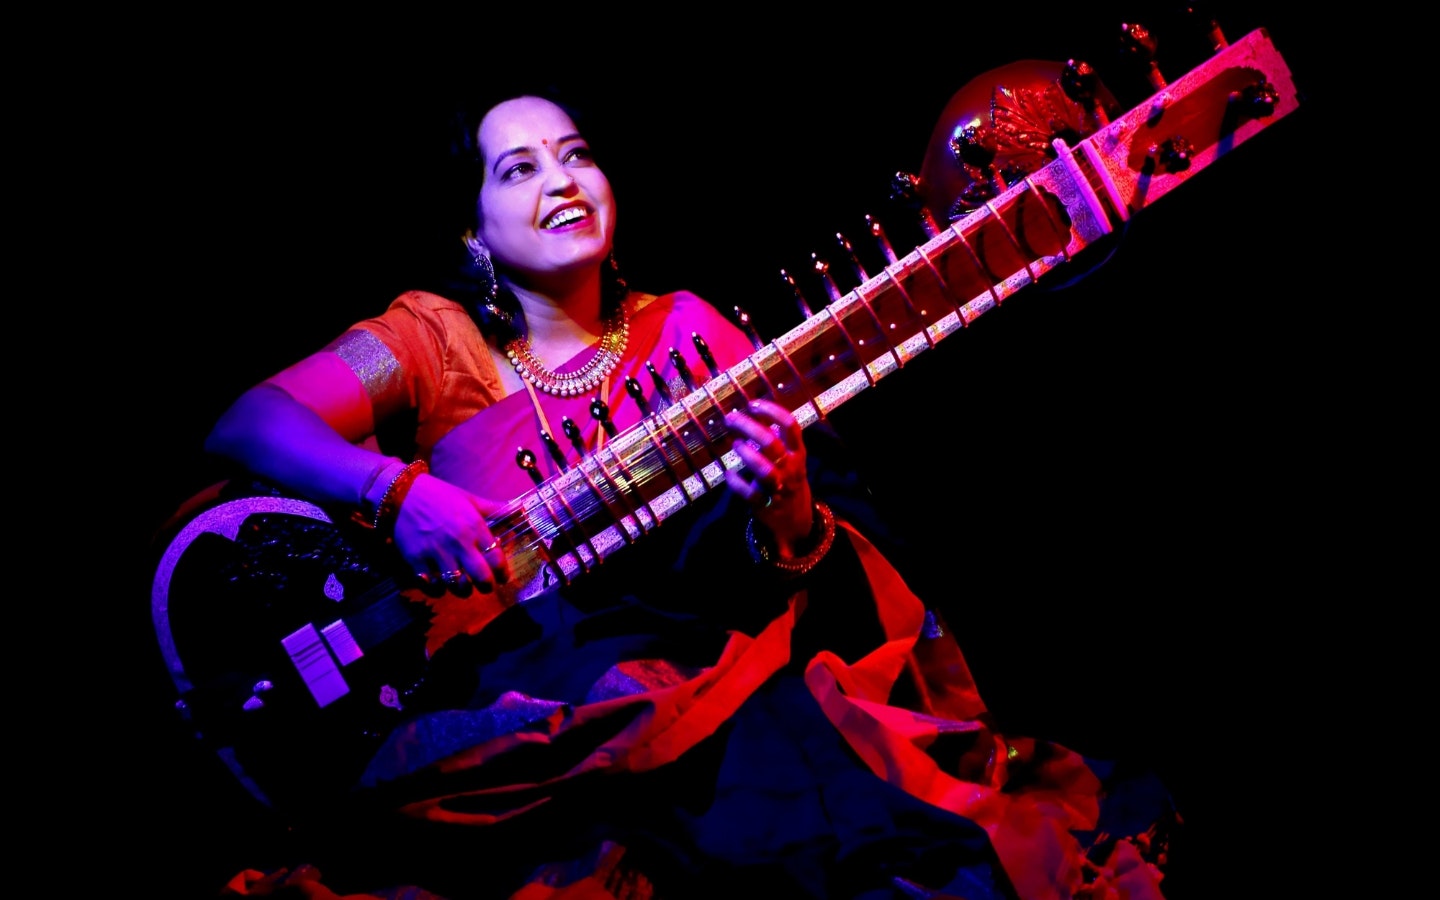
column 774, row 477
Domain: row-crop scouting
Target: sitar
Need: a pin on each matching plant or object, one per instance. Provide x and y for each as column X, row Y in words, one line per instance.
column 294, row 646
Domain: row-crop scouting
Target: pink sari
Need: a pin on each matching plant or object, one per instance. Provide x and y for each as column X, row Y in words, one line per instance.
column 747, row 750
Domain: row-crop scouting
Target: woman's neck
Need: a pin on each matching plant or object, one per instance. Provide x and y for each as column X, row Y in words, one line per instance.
column 562, row 319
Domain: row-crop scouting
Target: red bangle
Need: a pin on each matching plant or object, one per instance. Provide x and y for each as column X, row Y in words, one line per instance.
column 822, row 535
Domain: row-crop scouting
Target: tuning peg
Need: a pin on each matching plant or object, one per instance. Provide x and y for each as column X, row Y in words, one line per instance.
column 974, row 148
column 600, row 412
column 1137, row 42
column 975, row 145
column 525, row 459
column 748, row 327
column 850, row 257
column 822, row 269
column 905, row 190
column 679, row 362
column 799, row 297
column 637, row 393
column 1081, row 82
column 661, row 387
column 1172, row 154
column 704, row 350
column 1256, row 101
column 554, row 450
column 572, row 431
column 878, row 233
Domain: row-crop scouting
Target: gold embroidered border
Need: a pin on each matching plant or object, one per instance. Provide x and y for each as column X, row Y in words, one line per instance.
column 372, row 362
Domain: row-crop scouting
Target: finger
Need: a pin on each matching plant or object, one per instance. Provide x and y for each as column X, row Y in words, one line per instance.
column 492, row 556
column 499, row 560
column 751, row 456
column 785, row 430
column 486, row 564
column 431, row 582
column 746, row 427
column 774, row 449
column 454, row 578
column 789, row 435
column 757, row 436
column 772, row 413
column 783, row 425
column 494, row 552
column 768, row 467
column 772, row 442
column 758, row 481
column 749, row 489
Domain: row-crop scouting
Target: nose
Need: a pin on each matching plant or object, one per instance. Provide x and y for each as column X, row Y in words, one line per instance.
column 559, row 181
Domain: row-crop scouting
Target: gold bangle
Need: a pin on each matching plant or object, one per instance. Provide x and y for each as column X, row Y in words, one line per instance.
column 822, row 522
column 389, row 507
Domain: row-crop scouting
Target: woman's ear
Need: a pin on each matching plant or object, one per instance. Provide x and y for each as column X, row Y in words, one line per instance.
column 474, row 244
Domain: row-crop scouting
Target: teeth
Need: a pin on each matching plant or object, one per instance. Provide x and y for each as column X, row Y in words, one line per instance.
column 565, row 216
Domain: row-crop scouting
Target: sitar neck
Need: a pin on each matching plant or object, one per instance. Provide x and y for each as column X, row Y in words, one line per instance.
column 612, row 498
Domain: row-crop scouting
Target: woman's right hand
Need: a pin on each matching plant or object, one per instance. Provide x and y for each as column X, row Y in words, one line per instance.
column 442, row 530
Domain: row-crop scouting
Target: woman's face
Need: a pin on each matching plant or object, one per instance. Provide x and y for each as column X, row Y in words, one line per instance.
column 545, row 207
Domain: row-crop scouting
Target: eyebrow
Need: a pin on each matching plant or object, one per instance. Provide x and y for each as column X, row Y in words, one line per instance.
column 516, row 151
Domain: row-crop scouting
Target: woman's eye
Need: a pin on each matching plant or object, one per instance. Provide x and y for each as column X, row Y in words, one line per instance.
column 518, row 170
column 579, row 154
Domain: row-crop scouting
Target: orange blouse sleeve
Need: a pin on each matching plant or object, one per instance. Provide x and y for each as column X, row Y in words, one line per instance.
column 423, row 354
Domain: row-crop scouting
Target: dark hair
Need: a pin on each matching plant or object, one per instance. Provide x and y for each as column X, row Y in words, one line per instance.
column 471, row 108
column 506, row 319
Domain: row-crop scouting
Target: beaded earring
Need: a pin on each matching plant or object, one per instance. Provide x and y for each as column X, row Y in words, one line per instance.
column 490, row 287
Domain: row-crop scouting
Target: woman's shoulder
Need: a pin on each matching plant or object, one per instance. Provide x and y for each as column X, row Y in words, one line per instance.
column 425, row 311
column 427, row 302
column 681, row 305
column 674, row 317
column 420, row 323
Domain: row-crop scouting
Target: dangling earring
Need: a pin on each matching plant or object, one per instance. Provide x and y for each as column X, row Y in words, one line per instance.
column 489, row 286
column 616, row 287
column 485, row 272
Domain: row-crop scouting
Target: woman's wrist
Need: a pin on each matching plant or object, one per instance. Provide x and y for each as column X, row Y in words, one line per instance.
column 385, row 490
column 379, row 479
column 807, row 555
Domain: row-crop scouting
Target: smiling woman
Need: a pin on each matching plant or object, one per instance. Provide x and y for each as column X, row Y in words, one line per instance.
column 606, row 608
column 582, row 613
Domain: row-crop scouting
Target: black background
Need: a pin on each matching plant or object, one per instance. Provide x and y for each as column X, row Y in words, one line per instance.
column 1111, row 489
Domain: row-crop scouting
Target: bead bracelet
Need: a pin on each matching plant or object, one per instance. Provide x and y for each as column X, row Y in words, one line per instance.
column 388, row 508
column 822, row 535
column 364, row 513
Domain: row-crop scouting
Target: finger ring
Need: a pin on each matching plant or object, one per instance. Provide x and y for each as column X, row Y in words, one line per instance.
column 490, row 546
column 454, row 576
column 772, row 494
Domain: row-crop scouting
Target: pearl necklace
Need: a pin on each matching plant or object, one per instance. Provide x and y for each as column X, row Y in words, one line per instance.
column 584, row 379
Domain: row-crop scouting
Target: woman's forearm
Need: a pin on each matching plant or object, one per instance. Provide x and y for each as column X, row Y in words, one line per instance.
column 272, row 435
